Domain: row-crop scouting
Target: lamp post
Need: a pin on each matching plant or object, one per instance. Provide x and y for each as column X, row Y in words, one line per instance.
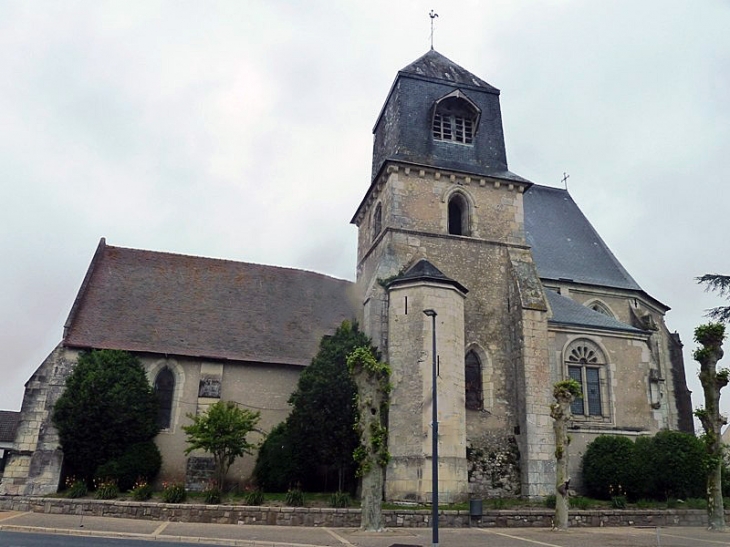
column 435, row 438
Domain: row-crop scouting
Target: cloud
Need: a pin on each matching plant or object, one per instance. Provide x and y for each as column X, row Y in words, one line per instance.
column 243, row 131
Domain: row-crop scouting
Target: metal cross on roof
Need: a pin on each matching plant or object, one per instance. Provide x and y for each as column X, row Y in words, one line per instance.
column 565, row 178
column 433, row 16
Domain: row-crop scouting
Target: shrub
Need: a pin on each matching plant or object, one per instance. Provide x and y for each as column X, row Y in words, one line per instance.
column 618, row 502
column 550, row 501
column 669, row 465
column 75, row 488
column 498, row 503
column 607, row 463
column 139, row 461
column 141, row 491
column 107, row 489
column 340, row 499
column 255, row 496
column 696, row 503
column 212, row 495
column 579, row 502
column 295, row 498
column 174, row 493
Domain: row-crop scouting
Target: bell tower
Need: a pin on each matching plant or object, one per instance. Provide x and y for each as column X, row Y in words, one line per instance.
column 441, row 192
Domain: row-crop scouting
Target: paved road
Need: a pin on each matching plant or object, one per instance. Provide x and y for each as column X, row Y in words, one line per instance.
column 15, row 527
column 21, row 539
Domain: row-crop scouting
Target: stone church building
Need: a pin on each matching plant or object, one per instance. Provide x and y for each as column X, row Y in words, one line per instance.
column 525, row 291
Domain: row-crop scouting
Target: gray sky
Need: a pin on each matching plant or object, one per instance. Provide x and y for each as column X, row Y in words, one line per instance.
column 242, row 130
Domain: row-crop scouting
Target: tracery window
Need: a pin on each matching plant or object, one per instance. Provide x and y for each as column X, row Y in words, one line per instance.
column 165, row 389
column 455, row 119
column 458, row 215
column 587, row 365
column 473, row 381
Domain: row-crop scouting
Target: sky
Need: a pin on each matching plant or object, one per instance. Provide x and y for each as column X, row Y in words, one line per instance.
column 243, row 130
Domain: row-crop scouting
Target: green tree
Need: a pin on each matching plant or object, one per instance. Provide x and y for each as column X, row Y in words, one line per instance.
column 138, row 461
column 275, row 462
column 107, row 406
column 321, row 424
column 221, row 431
column 720, row 284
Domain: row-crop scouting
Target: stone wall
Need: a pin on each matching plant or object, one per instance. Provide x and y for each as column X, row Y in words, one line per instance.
column 350, row 518
column 493, row 462
column 34, row 464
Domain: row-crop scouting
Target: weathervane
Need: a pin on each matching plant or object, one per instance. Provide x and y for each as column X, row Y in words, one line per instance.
column 565, row 178
column 433, row 16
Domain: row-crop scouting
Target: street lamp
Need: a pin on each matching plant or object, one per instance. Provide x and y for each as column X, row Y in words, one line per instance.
column 435, row 439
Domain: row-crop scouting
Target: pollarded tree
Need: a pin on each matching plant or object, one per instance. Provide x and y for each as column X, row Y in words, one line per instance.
column 373, row 387
column 565, row 393
column 720, row 284
column 221, row 431
column 107, row 406
column 710, row 337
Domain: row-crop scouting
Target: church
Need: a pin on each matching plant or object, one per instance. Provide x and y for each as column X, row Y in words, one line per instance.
column 521, row 292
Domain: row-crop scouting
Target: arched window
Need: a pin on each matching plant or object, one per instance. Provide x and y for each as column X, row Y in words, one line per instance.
column 455, row 119
column 458, row 215
column 473, row 381
column 165, row 389
column 377, row 220
column 587, row 365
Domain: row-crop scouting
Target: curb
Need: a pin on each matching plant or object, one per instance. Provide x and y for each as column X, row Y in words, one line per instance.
column 149, row 537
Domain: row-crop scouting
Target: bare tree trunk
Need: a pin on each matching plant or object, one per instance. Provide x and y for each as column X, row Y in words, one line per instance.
column 710, row 337
column 371, row 501
column 564, row 393
column 715, row 503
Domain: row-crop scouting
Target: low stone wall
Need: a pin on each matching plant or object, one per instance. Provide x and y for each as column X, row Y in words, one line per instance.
column 348, row 518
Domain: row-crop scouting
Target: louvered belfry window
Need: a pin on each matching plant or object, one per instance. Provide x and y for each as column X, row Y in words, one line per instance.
column 454, row 120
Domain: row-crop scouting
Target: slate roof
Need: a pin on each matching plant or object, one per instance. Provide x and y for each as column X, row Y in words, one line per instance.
column 433, row 65
column 8, row 424
column 570, row 313
column 565, row 245
column 173, row 304
column 423, row 270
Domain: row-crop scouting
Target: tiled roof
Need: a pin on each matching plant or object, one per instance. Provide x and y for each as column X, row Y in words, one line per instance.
column 565, row 245
column 8, row 424
column 172, row 304
column 570, row 313
column 435, row 66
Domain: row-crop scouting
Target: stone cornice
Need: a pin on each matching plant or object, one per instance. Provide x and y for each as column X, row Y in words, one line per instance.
column 455, row 177
column 420, row 233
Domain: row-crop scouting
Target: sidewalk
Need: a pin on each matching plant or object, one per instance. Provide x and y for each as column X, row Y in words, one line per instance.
column 281, row 536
